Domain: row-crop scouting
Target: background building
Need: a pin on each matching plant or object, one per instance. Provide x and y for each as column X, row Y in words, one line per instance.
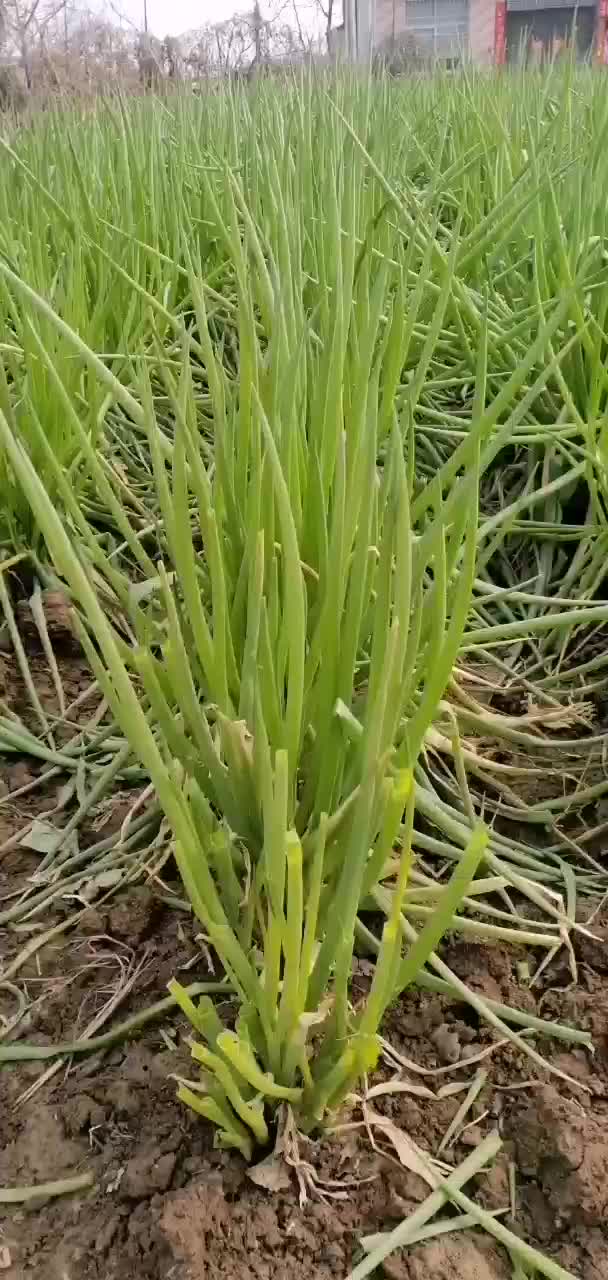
column 541, row 29
column 489, row 32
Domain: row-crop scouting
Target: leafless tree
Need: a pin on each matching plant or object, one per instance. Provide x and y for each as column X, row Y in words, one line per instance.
column 64, row 44
column 222, row 49
column 172, row 57
column 99, row 51
column 27, row 24
column 314, row 21
column 149, row 59
column 247, row 43
column 327, row 11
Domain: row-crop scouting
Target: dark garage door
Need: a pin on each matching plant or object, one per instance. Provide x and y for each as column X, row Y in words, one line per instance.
column 533, row 33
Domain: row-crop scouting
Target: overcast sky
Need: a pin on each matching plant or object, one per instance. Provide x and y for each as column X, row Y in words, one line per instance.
column 172, row 17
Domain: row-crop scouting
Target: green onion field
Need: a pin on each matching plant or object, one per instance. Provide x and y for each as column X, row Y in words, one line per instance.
column 304, row 646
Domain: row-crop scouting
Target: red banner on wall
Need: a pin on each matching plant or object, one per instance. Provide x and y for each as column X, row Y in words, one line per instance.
column 500, row 32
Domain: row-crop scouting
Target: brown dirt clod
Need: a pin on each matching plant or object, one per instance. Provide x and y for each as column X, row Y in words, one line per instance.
column 458, row 1257
column 566, row 1150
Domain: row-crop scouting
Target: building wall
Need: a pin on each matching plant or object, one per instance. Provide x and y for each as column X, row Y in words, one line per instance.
column 390, row 23
column 481, row 31
column 391, row 20
column 337, row 43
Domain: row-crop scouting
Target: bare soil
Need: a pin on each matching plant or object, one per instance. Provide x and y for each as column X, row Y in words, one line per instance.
column 166, row 1206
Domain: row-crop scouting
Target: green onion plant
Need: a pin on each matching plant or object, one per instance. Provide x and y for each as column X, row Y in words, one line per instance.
column 264, row 385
